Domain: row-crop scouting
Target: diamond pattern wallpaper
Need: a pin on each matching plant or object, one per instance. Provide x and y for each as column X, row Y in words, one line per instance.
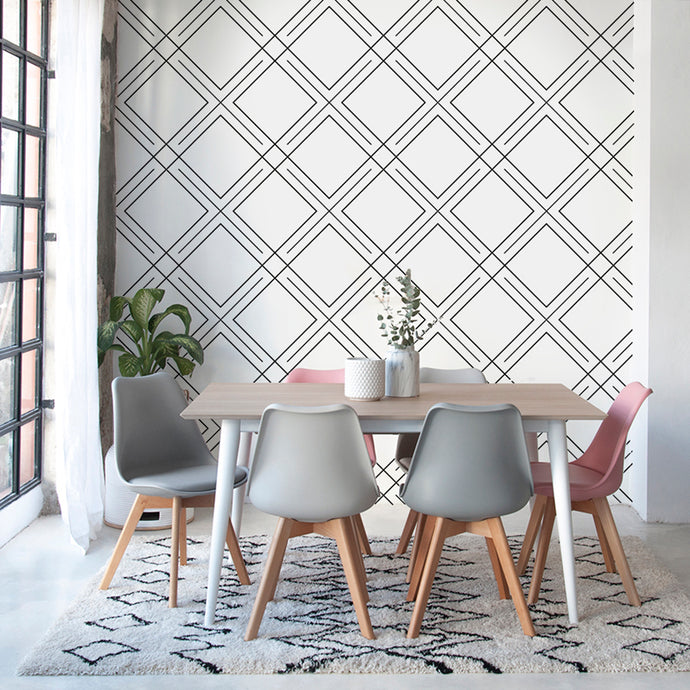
column 277, row 158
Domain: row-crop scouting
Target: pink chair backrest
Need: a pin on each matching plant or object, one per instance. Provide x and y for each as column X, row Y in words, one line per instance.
column 606, row 452
column 302, row 375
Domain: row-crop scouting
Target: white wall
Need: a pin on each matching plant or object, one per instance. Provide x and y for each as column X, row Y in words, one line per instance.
column 669, row 256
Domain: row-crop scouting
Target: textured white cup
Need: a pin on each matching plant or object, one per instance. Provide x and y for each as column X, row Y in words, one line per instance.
column 365, row 379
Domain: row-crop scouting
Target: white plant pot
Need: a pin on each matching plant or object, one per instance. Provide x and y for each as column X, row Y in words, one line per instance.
column 402, row 373
column 365, row 378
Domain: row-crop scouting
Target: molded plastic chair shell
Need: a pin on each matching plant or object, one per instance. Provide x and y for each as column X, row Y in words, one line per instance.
column 310, row 464
column 303, row 375
column 157, row 452
column 470, row 463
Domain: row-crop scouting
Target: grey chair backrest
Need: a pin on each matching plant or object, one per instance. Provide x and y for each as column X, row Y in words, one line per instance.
column 311, row 464
column 468, row 375
column 150, row 435
column 470, row 463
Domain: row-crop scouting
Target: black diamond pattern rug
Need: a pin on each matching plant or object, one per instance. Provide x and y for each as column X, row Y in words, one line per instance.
column 310, row 627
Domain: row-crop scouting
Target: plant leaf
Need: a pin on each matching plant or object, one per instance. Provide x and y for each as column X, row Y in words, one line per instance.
column 132, row 329
column 117, row 306
column 143, row 303
column 106, row 335
column 129, row 364
column 178, row 310
column 184, row 366
column 192, row 345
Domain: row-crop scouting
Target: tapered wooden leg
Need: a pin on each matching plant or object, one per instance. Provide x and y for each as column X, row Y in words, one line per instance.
column 236, row 555
column 360, row 551
column 420, row 548
column 125, row 535
column 535, row 519
column 603, row 542
column 498, row 570
column 270, row 575
column 603, row 510
column 183, row 536
column 430, row 565
column 542, row 550
column 408, row 529
column 174, row 550
column 498, row 536
column 348, row 547
column 361, row 534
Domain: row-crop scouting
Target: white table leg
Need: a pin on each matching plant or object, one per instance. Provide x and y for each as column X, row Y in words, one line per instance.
column 227, row 460
column 243, row 455
column 558, row 455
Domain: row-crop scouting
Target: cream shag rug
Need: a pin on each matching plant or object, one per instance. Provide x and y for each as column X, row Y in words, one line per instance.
column 311, row 626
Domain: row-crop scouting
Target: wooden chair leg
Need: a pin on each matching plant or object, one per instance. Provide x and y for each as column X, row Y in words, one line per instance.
column 603, row 511
column 350, row 554
column 500, row 541
column 430, row 566
column 125, row 535
column 236, row 555
column 361, row 534
column 408, row 529
column 174, row 550
column 360, row 552
column 535, row 520
column 498, row 570
column 183, row 536
column 270, row 575
column 542, row 551
column 425, row 531
column 604, row 543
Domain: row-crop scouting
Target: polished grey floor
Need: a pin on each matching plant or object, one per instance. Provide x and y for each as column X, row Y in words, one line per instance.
column 41, row 573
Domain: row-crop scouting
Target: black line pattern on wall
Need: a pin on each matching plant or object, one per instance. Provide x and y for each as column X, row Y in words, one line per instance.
column 276, row 159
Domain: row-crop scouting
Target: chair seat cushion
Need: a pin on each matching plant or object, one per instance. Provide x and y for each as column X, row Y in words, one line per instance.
column 185, row 482
column 582, row 481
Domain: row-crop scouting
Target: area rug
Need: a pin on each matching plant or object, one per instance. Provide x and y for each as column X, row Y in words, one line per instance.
column 311, row 627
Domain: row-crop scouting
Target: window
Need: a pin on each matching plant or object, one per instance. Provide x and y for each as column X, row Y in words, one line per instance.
column 23, row 74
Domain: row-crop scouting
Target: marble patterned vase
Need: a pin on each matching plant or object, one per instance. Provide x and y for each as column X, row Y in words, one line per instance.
column 402, row 373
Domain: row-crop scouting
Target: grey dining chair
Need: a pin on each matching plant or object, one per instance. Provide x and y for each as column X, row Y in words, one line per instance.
column 470, row 467
column 164, row 459
column 407, row 442
column 311, row 468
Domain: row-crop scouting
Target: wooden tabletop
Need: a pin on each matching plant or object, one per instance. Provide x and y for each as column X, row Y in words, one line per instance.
column 248, row 400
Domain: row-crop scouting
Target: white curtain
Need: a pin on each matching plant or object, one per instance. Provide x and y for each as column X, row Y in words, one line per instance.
column 77, row 112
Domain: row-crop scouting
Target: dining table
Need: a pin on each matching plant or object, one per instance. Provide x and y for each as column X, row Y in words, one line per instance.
column 545, row 407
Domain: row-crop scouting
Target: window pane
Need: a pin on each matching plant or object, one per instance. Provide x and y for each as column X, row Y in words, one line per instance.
column 27, row 452
column 5, row 464
column 34, row 27
column 10, row 86
column 33, row 95
column 30, row 238
column 32, row 166
column 7, row 407
column 30, row 305
column 8, row 303
column 8, row 238
column 29, row 399
column 10, row 20
column 10, row 162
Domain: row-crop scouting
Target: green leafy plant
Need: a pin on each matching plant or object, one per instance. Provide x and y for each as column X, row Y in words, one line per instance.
column 401, row 327
column 145, row 351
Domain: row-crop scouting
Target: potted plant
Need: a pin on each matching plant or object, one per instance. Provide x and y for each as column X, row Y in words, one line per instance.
column 402, row 327
column 146, row 351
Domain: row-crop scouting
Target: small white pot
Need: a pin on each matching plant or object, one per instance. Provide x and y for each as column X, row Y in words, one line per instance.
column 364, row 378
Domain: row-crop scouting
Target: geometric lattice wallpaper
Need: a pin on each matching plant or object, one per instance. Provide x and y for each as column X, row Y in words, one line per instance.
column 277, row 158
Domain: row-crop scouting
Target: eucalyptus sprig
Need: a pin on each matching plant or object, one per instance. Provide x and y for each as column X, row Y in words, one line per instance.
column 401, row 327
column 145, row 351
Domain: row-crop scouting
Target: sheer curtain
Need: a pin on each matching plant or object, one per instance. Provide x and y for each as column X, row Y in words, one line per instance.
column 77, row 111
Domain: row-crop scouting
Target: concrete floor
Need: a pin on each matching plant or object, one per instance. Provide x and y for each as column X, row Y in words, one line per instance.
column 41, row 573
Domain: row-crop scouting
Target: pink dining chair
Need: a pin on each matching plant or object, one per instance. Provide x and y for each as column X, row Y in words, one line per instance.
column 594, row 476
column 304, row 375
